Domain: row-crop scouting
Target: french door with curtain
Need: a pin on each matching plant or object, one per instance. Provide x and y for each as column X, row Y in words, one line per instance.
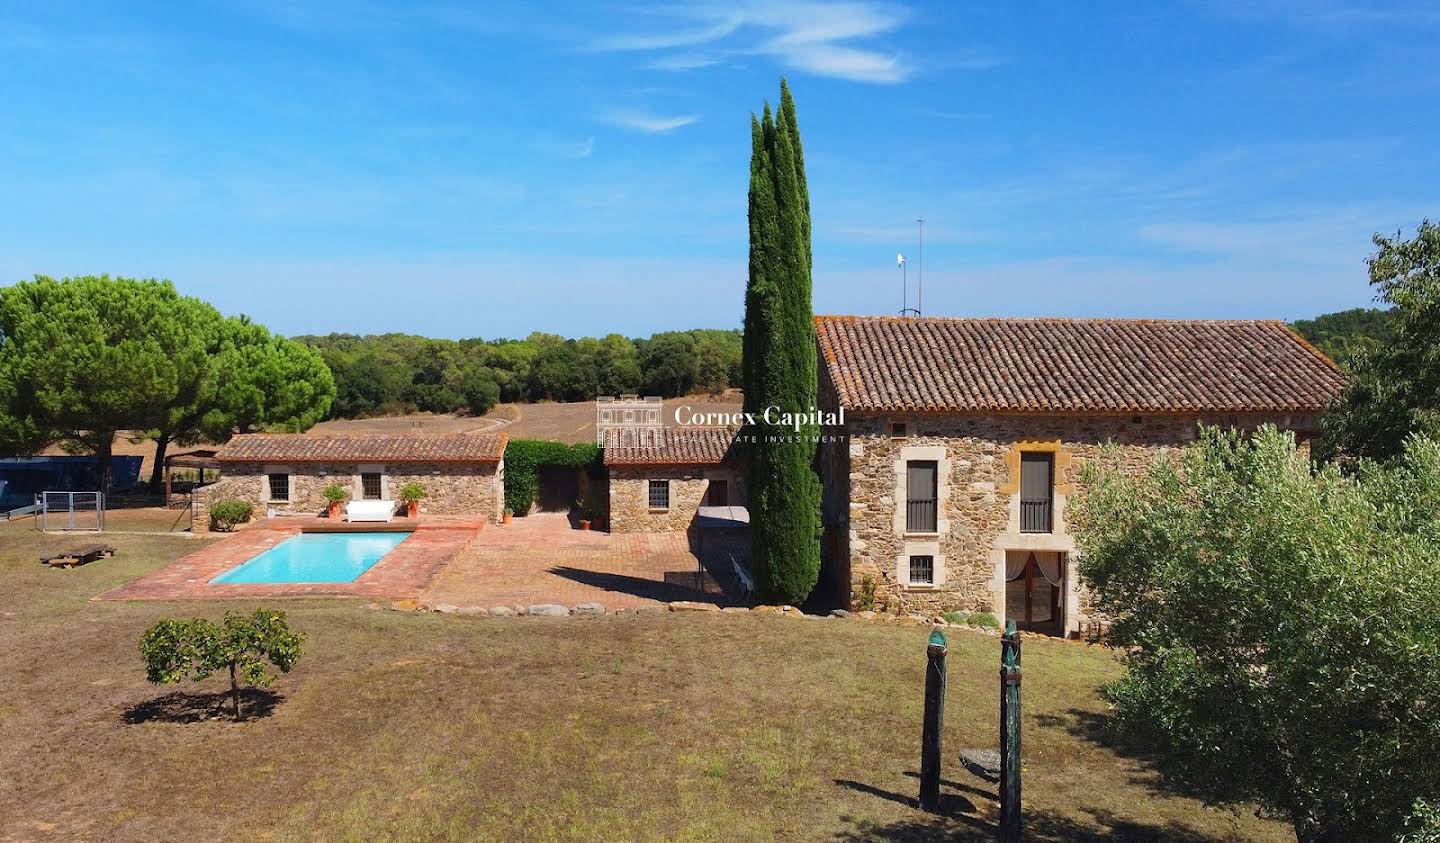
column 1034, row 589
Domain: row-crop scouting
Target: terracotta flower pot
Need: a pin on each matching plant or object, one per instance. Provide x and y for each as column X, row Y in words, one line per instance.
column 584, row 525
column 505, row 519
column 335, row 510
column 412, row 508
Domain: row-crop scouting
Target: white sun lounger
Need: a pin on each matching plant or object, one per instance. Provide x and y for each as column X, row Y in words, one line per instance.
column 369, row 510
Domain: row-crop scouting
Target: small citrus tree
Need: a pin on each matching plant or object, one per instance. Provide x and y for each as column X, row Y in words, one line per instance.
column 197, row 648
column 1281, row 639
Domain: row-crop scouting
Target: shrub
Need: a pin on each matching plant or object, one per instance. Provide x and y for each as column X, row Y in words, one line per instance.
column 196, row 648
column 865, row 600
column 1278, row 625
column 335, row 493
column 985, row 620
column 525, row 457
column 412, row 492
column 224, row 515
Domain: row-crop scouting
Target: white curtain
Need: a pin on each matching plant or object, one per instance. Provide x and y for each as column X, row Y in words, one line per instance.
column 1015, row 565
column 1050, row 567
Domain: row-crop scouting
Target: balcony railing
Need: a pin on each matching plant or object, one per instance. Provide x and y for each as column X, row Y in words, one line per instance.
column 1036, row 516
column 920, row 516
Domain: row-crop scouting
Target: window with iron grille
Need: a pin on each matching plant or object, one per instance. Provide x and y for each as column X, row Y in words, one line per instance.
column 899, row 430
column 280, row 487
column 659, row 494
column 1037, row 488
column 372, row 487
column 922, row 570
column 921, row 491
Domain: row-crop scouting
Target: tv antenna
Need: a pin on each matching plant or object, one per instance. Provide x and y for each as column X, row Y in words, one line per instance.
column 902, row 264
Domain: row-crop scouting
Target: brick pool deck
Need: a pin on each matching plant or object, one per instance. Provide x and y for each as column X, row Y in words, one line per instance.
column 404, row 573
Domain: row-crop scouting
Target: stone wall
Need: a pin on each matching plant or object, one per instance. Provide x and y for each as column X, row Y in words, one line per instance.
column 630, row 510
column 450, row 489
column 979, row 510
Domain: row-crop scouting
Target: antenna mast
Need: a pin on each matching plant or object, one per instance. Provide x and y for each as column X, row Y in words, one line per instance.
column 920, row 283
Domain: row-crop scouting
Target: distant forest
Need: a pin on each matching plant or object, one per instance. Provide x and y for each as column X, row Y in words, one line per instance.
column 1346, row 334
column 400, row 373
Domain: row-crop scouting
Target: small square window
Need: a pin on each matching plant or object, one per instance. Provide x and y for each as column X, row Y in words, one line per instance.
column 899, row 430
column 279, row 487
column 371, row 487
column 659, row 494
column 922, row 570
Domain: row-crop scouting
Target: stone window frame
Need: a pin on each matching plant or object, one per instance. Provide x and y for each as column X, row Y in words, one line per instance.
column 920, row 548
column 1061, row 490
column 939, row 455
column 357, row 484
column 289, row 471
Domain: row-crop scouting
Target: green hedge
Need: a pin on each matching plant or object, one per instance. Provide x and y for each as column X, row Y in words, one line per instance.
column 525, row 457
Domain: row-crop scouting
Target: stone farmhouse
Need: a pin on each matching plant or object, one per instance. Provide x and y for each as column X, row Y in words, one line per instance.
column 462, row 473
column 963, row 439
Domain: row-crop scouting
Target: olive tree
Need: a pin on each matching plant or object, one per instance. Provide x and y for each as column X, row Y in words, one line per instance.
column 1278, row 624
column 242, row 644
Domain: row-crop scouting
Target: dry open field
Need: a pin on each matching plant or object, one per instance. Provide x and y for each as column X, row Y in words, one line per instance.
column 564, row 422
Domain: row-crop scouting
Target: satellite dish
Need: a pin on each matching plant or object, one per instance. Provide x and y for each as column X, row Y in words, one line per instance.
column 899, row 260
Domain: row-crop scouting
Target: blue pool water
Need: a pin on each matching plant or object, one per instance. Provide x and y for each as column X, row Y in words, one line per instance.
column 315, row 557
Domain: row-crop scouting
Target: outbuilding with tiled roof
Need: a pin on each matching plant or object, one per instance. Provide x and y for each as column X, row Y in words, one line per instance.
column 462, row 474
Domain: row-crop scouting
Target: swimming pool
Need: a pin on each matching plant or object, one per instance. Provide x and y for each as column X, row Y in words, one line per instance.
column 315, row 558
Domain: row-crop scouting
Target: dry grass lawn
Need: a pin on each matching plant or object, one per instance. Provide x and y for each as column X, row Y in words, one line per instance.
column 424, row 726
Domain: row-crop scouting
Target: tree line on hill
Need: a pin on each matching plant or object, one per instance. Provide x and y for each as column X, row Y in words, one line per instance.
column 397, row 373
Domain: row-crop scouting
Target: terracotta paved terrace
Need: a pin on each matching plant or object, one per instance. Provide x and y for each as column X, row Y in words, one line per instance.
column 540, row 559
column 403, row 573
column 464, row 563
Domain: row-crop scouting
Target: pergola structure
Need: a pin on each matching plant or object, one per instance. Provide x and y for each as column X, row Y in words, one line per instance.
column 190, row 459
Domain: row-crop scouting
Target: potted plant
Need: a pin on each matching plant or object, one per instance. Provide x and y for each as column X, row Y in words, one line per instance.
column 335, row 495
column 584, row 510
column 412, row 493
column 505, row 519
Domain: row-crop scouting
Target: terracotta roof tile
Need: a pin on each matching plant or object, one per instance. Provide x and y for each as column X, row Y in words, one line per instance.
column 376, row 447
column 1073, row 365
column 681, row 446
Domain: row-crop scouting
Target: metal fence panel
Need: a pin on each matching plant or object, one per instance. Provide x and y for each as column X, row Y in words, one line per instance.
column 72, row 511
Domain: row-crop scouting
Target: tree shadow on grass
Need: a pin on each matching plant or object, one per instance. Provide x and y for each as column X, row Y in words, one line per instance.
column 957, row 819
column 182, row 707
column 1043, row 826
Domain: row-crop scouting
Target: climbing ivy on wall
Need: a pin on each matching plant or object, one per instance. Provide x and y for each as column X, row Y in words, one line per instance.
column 525, row 457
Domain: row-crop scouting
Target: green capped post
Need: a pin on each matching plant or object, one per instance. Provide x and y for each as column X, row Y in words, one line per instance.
column 934, row 720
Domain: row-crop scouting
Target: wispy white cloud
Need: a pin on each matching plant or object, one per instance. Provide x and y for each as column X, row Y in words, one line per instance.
column 645, row 121
column 566, row 148
column 711, row 27
column 809, row 36
column 684, row 61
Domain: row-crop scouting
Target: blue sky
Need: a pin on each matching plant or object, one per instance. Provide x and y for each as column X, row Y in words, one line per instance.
column 492, row 169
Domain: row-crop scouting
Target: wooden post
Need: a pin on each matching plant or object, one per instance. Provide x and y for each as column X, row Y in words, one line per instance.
column 934, row 722
column 1010, row 734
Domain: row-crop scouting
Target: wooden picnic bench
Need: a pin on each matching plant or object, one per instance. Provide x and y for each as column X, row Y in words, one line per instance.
column 77, row 556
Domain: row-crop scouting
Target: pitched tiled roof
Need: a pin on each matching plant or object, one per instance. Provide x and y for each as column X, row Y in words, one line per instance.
column 681, row 446
column 1073, row 365
column 374, row 447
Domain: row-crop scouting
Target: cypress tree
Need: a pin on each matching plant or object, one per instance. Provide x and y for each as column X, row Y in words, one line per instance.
column 779, row 361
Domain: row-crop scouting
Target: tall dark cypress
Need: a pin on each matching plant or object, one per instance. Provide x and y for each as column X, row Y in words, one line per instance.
column 780, row 363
